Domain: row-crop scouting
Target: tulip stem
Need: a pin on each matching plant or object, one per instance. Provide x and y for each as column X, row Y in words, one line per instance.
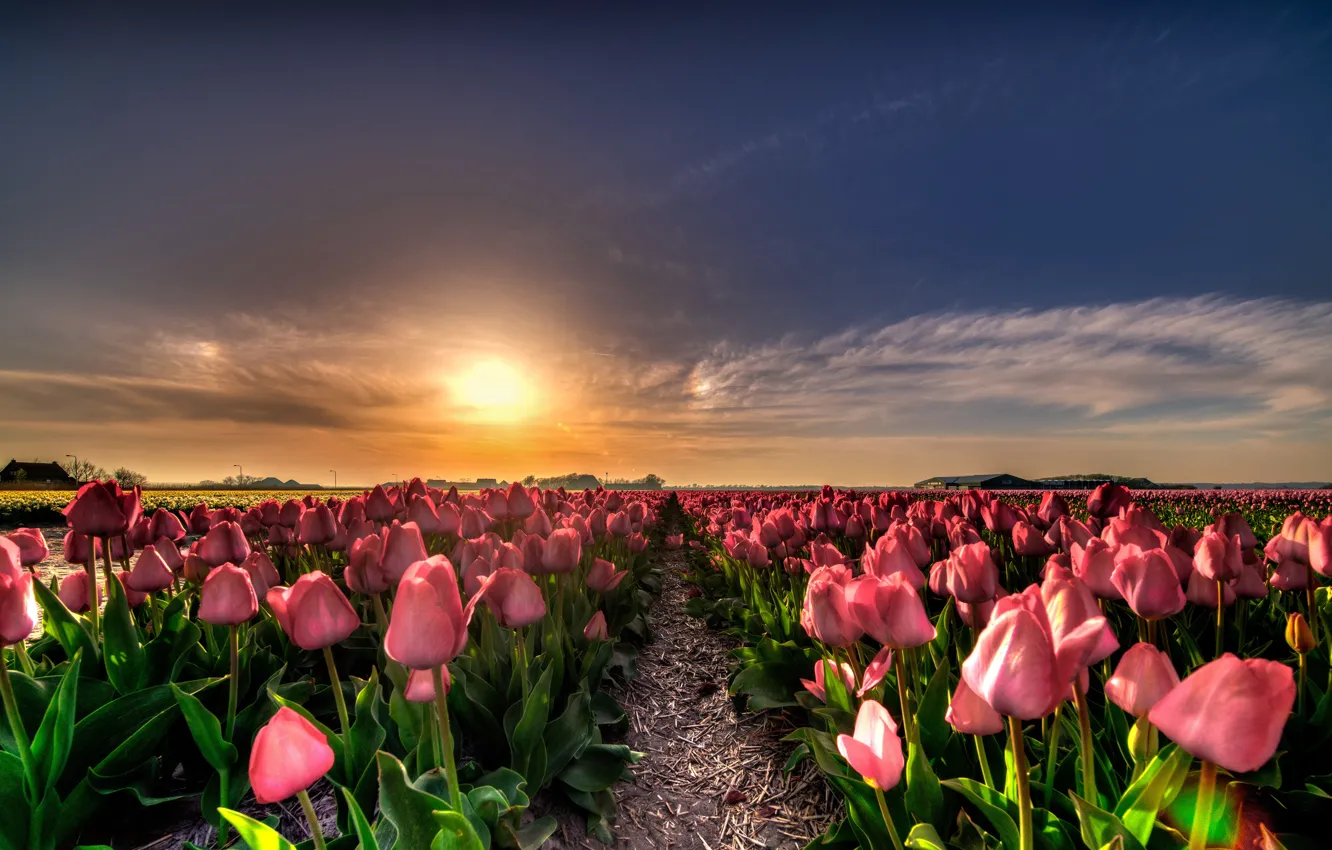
column 986, row 774
column 91, row 569
column 1052, row 754
column 446, row 738
column 1023, row 788
column 1310, row 584
column 887, row 818
column 1303, row 675
column 1202, row 809
column 25, row 660
column 1088, row 756
column 341, row 702
column 907, row 725
column 17, row 730
column 315, row 832
column 1220, row 618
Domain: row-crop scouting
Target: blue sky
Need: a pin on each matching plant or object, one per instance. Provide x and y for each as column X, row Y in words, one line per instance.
column 700, row 240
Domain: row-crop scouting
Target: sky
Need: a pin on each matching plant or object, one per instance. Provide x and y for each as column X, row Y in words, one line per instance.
column 759, row 246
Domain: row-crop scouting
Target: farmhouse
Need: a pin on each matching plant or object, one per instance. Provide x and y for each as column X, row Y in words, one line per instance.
column 36, row 472
column 998, row 481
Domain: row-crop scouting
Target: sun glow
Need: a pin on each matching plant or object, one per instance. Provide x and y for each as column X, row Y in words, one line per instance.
column 493, row 390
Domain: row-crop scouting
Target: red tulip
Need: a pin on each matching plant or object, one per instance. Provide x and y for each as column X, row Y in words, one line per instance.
column 1108, row 499
column 875, row 750
column 102, row 509
column 378, row 506
column 227, row 597
column 519, row 502
column 403, row 546
column 313, row 612
column 595, row 629
column 1144, row 676
column 31, row 546
column 289, row 755
column 200, row 520
column 971, row 715
column 890, row 611
column 1229, row 711
column 151, row 572
column 429, row 623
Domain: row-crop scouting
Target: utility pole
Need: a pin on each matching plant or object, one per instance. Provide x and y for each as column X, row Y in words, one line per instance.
column 240, row 478
column 77, row 477
column 335, row 478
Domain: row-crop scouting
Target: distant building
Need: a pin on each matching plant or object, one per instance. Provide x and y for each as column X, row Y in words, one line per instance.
column 36, row 472
column 1000, row 481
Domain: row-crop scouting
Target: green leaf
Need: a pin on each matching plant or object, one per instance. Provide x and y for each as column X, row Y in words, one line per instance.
column 259, row 836
column 534, row 834
column 923, row 796
column 991, row 805
column 14, row 804
column 367, row 733
column 121, row 651
column 1099, row 827
column 55, row 737
column 526, row 736
column 768, row 684
column 455, row 833
column 933, row 709
column 597, row 769
column 923, row 837
column 70, row 630
column 364, row 833
column 1154, row 790
column 207, row 731
column 408, row 809
column 568, row 735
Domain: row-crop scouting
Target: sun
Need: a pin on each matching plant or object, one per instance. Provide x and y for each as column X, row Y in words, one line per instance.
column 493, row 389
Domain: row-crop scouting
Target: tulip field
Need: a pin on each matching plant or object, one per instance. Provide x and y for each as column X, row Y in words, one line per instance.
column 970, row 671
column 1113, row 669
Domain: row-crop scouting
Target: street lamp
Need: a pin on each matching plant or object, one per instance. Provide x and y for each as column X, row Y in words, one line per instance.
column 240, row 477
column 335, row 478
column 76, row 469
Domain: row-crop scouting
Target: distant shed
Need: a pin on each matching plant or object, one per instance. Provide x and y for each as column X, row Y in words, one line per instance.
column 999, row 481
column 37, row 472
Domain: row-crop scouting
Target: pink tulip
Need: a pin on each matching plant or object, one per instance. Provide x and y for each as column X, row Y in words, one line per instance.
column 227, row 597
column 166, row 524
column 423, row 515
column 313, row 612
column 1229, row 711
column 603, row 577
column 970, row 574
column 890, row 555
column 1052, row 508
column 224, row 543
column 818, row 687
column 31, row 545
column 875, row 750
column 289, row 755
column 75, row 547
column 102, row 509
column 263, row 575
column 74, row 592
column 1201, row 590
column 378, row 506
column 1014, row 666
column 514, row 599
column 1289, row 575
column 151, row 572
column 1292, row 543
column 18, row 604
column 403, row 546
column 971, row 715
column 596, row 630
column 1029, row 542
column 1108, row 499
column 890, row 611
column 317, row 526
column 1144, row 676
column 825, row 615
column 564, row 550
column 1218, row 557
column 421, row 684
column 520, row 502
column 429, row 623
column 875, row 671
column 1148, row 582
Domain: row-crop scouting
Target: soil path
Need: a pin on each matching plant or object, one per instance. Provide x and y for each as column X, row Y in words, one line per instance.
column 711, row 776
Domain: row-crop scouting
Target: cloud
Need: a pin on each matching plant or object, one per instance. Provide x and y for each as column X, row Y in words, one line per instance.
column 1205, row 364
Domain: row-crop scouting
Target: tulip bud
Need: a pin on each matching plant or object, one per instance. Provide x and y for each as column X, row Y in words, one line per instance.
column 1299, row 636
